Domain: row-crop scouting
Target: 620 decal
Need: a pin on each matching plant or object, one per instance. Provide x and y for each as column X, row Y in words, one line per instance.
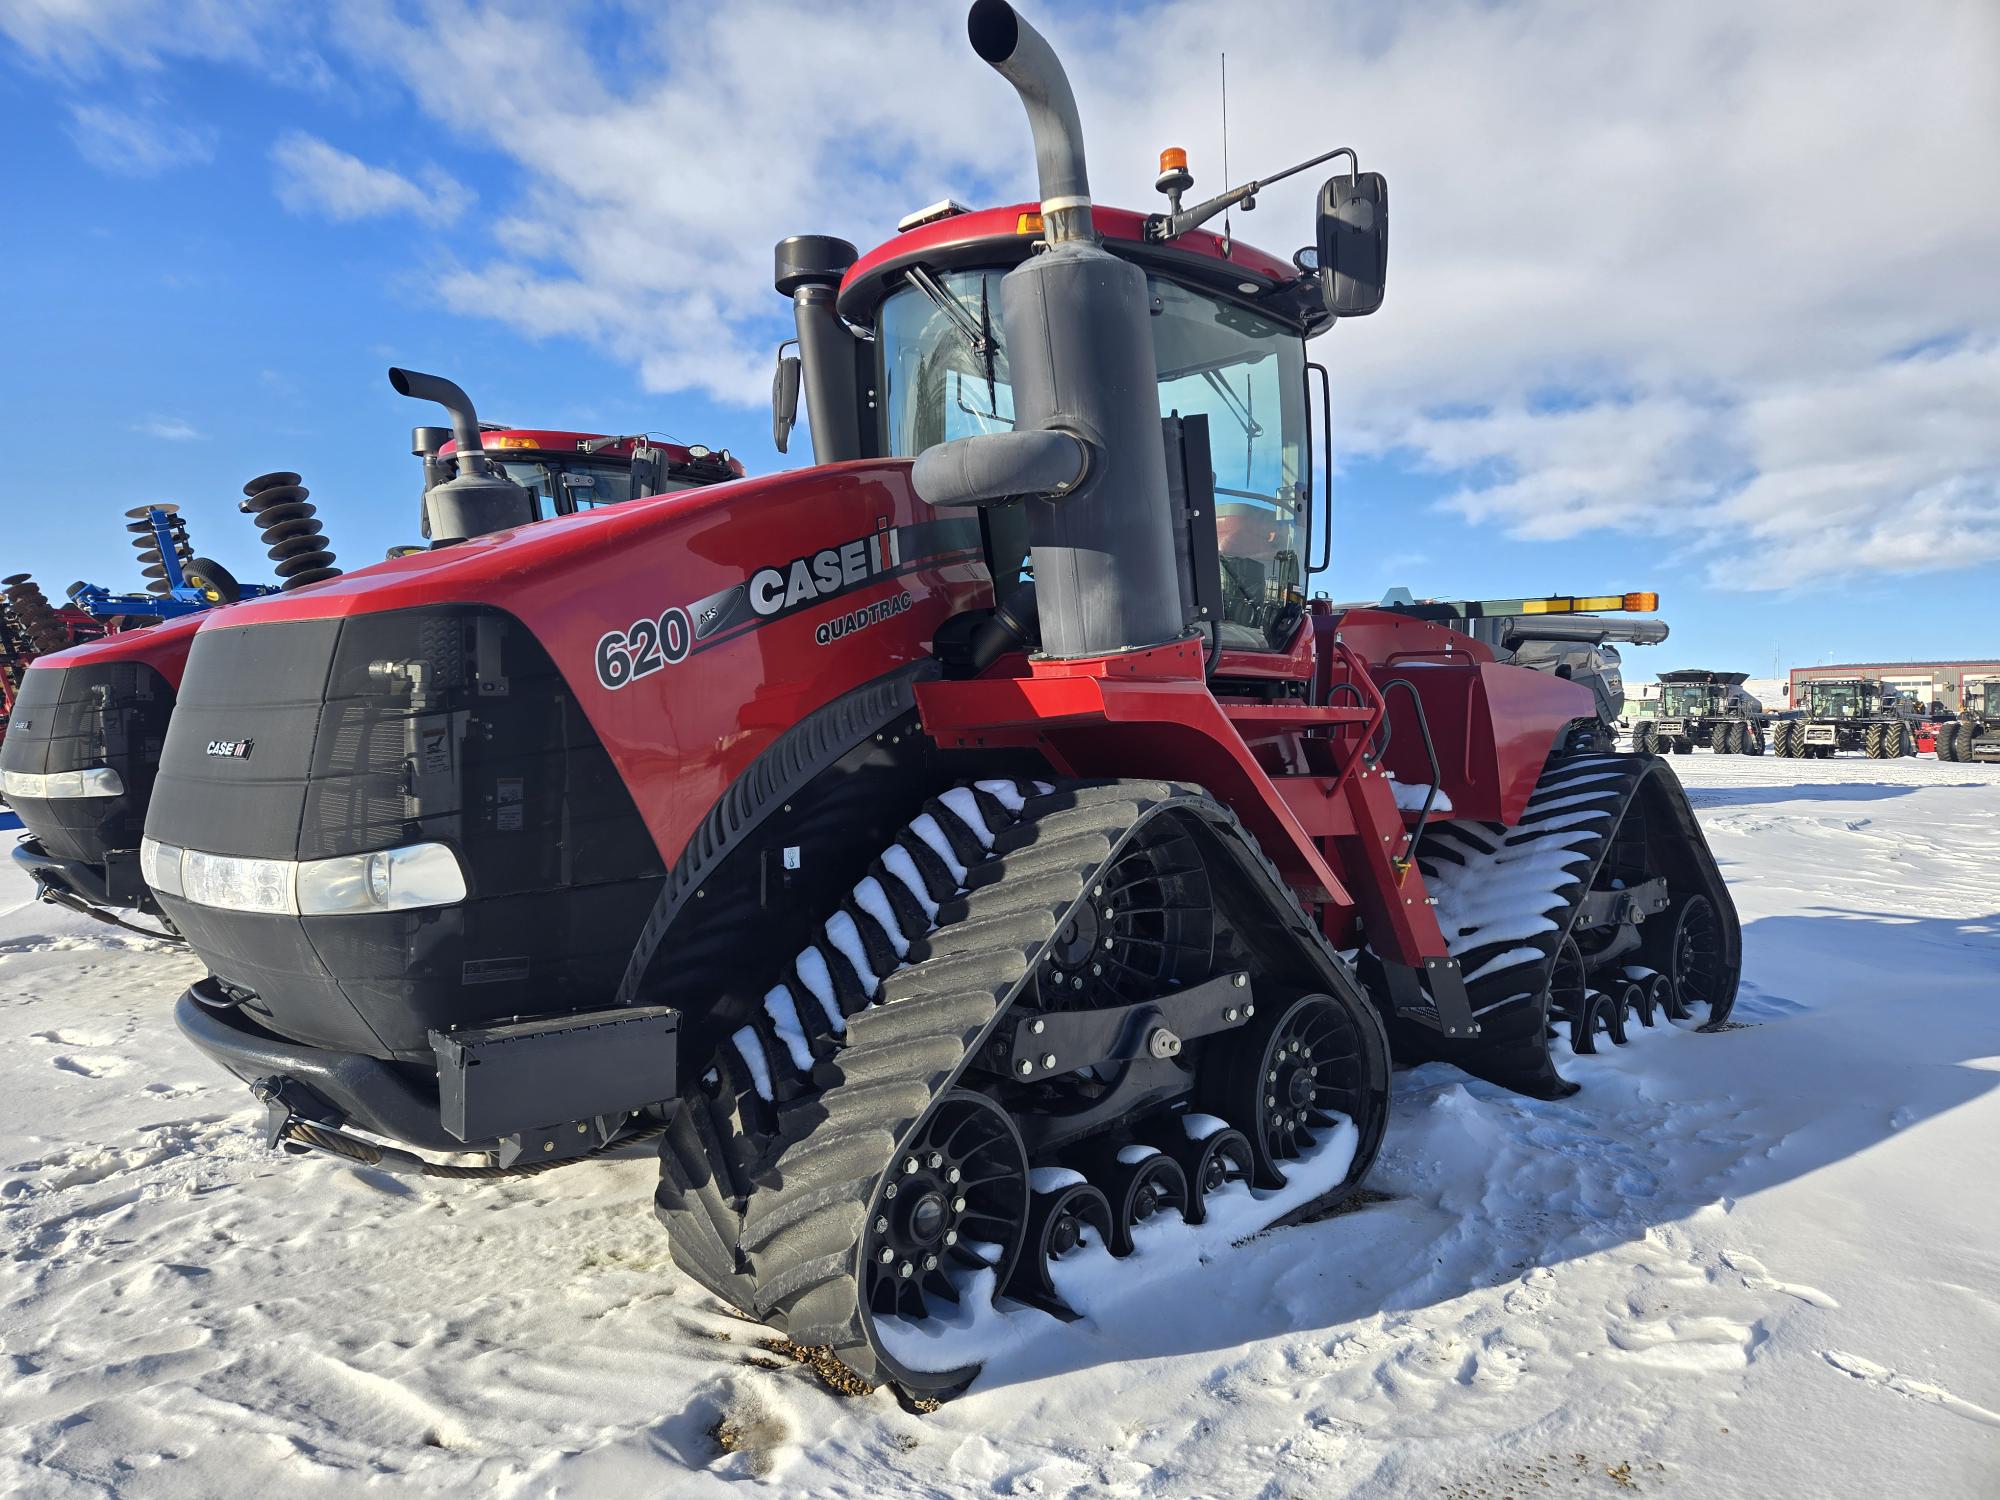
column 642, row 648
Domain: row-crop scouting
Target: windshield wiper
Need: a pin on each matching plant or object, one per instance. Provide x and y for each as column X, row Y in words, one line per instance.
column 978, row 337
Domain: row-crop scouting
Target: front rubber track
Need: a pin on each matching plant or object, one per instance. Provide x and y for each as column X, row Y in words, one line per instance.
column 786, row 1247
column 1510, row 999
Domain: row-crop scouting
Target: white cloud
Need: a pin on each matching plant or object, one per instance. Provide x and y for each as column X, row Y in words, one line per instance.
column 1653, row 265
column 169, row 429
column 316, row 178
column 136, row 142
column 81, row 36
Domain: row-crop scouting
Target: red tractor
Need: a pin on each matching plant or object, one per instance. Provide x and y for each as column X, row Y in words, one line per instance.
column 93, row 720
column 964, row 845
column 30, row 626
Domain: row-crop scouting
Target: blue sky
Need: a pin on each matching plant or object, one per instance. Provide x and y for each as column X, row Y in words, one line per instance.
column 1637, row 334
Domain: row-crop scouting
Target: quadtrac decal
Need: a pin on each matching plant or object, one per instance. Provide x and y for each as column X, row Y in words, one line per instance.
column 770, row 593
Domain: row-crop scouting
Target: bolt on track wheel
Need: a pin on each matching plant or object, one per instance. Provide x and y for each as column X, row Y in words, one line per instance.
column 955, row 1197
column 1284, row 1077
column 1210, row 1162
column 1148, row 926
column 1694, row 957
column 1056, row 1224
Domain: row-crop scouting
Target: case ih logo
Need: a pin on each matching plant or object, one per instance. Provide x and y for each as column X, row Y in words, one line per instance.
column 230, row 749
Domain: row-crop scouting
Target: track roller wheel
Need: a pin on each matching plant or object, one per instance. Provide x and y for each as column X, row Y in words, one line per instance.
column 1057, row 1221
column 1690, row 956
column 1210, row 1161
column 1141, row 1185
column 956, row 1196
column 1285, row 1075
column 1621, row 997
column 1590, row 1019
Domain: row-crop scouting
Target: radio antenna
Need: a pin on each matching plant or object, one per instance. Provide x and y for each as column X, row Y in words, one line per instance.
column 1227, row 233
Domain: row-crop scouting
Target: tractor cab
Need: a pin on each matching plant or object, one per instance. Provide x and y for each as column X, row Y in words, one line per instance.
column 1846, row 698
column 567, row 472
column 1690, row 700
column 923, row 348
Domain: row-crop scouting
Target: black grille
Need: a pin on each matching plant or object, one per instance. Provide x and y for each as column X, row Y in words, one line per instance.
column 448, row 726
column 72, row 718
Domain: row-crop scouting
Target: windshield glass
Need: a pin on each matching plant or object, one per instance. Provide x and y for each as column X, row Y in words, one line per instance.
column 1836, row 700
column 1683, row 699
column 944, row 375
column 565, row 484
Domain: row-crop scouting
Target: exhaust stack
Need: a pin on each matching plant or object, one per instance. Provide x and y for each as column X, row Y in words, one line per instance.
column 480, row 499
column 1080, row 348
column 1020, row 54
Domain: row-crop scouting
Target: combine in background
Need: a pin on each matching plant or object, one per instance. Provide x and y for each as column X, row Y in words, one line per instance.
column 1975, row 734
column 1700, row 707
column 932, row 916
column 1852, row 714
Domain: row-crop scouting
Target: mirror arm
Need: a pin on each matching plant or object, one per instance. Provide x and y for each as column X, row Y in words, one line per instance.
column 1172, row 226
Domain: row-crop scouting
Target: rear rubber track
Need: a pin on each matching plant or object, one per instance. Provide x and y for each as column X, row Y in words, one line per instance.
column 780, row 1237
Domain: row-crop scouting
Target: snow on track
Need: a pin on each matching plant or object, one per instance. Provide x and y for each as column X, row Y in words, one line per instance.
column 1760, row 1263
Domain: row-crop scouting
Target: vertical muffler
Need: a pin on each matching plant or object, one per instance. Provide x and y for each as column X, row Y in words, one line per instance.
column 480, row 499
column 1080, row 354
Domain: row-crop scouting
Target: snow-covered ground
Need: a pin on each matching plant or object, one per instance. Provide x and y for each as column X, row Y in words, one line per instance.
column 1760, row 1263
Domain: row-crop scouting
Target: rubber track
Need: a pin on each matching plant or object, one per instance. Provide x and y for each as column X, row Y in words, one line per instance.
column 796, row 1239
column 1554, row 853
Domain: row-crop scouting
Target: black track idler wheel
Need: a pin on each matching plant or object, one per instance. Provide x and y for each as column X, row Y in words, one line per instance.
column 1221, row 1157
column 1057, row 1222
column 955, row 1197
column 1141, row 1184
column 1690, row 955
column 1283, row 1077
column 293, row 536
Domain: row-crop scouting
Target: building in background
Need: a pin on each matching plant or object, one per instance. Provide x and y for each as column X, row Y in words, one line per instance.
column 1927, row 682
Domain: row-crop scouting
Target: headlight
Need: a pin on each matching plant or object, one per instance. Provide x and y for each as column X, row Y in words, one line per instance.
column 96, row 781
column 389, row 880
column 418, row 875
column 160, row 866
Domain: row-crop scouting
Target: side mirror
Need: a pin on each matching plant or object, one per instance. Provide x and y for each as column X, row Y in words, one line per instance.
column 1353, row 243
column 784, row 399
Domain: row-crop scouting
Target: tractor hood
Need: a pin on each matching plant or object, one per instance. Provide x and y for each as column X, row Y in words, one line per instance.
column 162, row 647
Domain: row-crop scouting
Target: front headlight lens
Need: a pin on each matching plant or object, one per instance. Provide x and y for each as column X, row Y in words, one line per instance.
column 93, row 781
column 237, row 884
column 160, row 866
column 404, row 879
column 389, row 880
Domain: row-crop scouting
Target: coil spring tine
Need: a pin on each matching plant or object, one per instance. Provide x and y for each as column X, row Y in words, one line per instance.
column 293, row 536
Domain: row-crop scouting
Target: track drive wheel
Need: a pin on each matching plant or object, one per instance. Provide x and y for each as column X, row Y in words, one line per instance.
column 1284, row 1076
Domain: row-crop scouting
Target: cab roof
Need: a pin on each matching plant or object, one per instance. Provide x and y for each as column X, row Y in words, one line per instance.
column 1006, row 236
column 531, row 441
